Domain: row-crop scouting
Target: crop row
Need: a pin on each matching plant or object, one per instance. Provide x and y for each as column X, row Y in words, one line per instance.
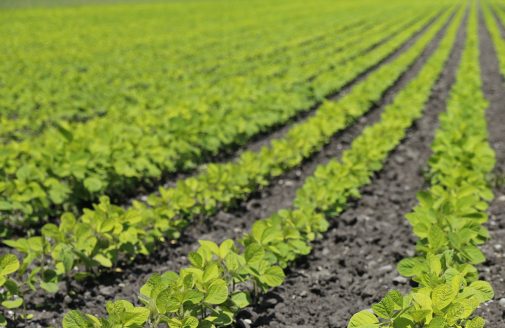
column 224, row 278
column 448, row 221
column 492, row 20
column 67, row 167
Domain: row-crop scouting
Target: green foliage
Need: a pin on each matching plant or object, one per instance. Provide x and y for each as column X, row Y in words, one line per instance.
column 10, row 294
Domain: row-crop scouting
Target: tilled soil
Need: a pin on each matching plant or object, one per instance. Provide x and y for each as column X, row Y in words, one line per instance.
column 494, row 268
column 353, row 265
column 232, row 223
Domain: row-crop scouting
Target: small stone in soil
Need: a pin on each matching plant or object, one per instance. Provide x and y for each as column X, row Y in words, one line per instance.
column 400, row 280
column 386, row 268
column 502, row 302
column 106, row 290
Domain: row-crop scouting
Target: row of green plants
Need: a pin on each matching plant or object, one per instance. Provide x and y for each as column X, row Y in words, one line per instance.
column 221, row 279
column 72, row 166
column 61, row 171
column 493, row 17
column 100, row 238
column 448, row 220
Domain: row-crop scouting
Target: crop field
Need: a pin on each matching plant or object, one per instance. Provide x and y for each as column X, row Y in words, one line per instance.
column 287, row 163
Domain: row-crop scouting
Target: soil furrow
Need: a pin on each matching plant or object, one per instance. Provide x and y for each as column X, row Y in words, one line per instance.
column 493, row 270
column 354, row 264
column 91, row 296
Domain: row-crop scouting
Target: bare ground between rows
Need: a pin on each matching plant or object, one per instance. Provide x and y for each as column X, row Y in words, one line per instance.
column 493, row 270
column 231, row 223
column 353, row 265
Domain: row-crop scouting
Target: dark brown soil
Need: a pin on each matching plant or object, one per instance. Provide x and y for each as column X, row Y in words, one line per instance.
column 494, row 268
column 232, row 223
column 354, row 264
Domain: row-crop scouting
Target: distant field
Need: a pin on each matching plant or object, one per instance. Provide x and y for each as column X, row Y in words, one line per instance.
column 60, row 3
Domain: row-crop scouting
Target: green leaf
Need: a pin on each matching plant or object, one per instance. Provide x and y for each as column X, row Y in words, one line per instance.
column 437, row 322
column 409, row 267
column 190, row 322
column 477, row 322
column 77, row 319
column 5, row 206
column 363, row 319
column 193, row 296
column 137, row 317
column 196, row 260
column 436, row 238
column 211, row 272
column 241, row 299
column 396, row 297
column 474, row 254
column 484, row 288
column 104, row 261
column 385, row 308
column 273, row 276
column 167, row 302
column 210, row 246
column 233, row 261
column 254, row 253
column 217, row 292
column 93, row 184
column 50, row 287
column 9, row 263
column 12, row 304
column 442, row 296
column 225, row 248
